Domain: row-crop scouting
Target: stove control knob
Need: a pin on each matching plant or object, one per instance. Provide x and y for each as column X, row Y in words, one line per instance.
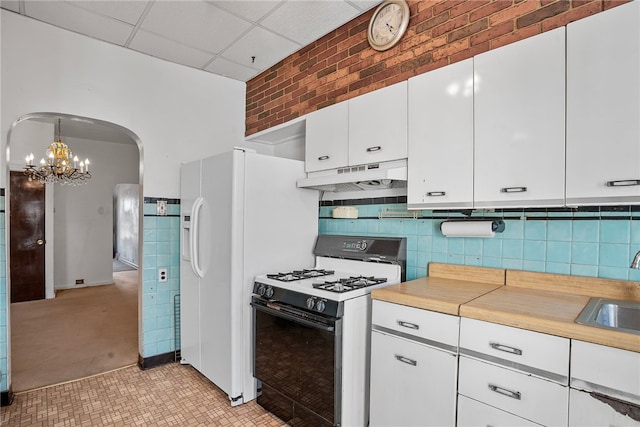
column 261, row 289
column 320, row 306
column 310, row 303
column 268, row 292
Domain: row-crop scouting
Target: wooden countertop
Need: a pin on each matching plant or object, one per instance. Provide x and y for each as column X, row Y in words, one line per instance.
column 547, row 303
column 434, row 293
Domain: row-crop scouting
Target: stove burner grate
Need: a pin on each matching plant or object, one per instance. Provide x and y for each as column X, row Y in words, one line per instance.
column 349, row 283
column 300, row 275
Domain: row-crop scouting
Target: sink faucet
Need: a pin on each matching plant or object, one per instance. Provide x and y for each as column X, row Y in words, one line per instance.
column 636, row 261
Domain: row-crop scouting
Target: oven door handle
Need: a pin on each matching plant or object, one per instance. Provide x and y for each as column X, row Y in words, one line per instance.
column 293, row 318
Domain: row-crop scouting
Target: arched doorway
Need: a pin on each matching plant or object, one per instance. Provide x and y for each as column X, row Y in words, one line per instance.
column 79, row 234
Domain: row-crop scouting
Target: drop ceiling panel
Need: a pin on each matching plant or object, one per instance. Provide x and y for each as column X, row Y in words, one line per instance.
column 66, row 15
column 267, row 47
column 170, row 50
column 252, row 11
column 199, row 25
column 306, row 21
column 128, row 11
column 227, row 68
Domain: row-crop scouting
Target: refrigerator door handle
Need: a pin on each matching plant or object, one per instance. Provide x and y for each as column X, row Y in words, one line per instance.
column 195, row 237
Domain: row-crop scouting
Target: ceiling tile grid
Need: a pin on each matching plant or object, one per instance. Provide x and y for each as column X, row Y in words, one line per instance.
column 234, row 38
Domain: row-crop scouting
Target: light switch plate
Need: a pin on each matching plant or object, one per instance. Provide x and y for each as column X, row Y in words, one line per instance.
column 161, row 207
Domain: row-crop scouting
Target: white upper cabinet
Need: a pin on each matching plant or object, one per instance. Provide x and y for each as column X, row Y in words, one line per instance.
column 327, row 138
column 378, row 125
column 519, row 121
column 440, row 164
column 603, row 108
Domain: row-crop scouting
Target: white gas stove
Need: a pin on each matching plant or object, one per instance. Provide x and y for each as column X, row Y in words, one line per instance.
column 317, row 321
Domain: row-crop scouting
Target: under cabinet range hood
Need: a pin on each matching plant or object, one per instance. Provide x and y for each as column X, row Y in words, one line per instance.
column 374, row 176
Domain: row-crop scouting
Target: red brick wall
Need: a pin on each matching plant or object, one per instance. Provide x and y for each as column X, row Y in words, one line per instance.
column 341, row 65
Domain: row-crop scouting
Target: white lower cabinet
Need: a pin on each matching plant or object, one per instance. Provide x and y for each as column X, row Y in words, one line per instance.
column 586, row 410
column 413, row 379
column 472, row 413
column 540, row 401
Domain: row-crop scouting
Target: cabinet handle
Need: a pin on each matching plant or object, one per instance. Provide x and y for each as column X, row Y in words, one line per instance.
column 436, row 193
column 372, row 149
column 408, row 325
column 505, row 392
column 513, row 189
column 321, row 158
column 505, row 348
column 623, row 183
column 406, row 360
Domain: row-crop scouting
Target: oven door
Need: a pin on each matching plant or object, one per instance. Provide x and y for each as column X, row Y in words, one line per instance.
column 298, row 361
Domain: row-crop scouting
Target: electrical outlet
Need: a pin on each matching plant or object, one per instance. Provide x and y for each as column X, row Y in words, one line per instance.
column 79, row 281
column 162, row 275
column 161, row 207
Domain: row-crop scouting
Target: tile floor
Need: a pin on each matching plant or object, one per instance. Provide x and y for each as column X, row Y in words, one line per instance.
column 168, row 395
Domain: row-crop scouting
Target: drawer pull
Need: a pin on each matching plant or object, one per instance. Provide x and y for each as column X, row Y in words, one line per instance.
column 321, row 158
column 373, row 149
column 505, row 348
column 513, row 189
column 436, row 193
column 505, row 392
column 623, row 183
column 406, row 360
column 408, row 325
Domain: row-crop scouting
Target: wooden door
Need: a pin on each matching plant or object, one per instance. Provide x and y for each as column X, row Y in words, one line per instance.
column 27, row 249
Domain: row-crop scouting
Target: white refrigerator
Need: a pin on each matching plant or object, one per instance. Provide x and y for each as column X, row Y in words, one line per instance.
column 241, row 215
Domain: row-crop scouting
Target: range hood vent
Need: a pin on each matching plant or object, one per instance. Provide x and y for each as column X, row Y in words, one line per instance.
column 374, row 176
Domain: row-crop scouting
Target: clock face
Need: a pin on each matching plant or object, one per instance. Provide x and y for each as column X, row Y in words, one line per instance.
column 388, row 24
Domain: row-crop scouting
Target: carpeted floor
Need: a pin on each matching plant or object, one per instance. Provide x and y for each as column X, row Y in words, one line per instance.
column 121, row 266
column 169, row 395
column 81, row 332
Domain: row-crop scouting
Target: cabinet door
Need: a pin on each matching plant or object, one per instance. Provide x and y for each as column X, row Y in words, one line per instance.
column 411, row 384
column 327, row 138
column 603, row 106
column 440, row 165
column 378, row 125
column 472, row 413
column 587, row 411
column 520, row 123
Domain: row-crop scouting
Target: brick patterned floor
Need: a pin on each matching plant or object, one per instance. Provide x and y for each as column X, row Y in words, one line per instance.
column 168, row 395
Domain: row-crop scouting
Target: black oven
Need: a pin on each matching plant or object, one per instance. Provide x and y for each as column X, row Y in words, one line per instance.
column 297, row 361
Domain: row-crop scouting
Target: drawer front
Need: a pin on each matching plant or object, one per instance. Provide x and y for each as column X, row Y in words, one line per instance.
column 534, row 399
column 411, row 384
column 472, row 413
column 429, row 326
column 542, row 355
column 606, row 370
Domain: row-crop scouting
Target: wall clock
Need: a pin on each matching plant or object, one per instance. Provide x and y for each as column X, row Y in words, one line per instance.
column 388, row 24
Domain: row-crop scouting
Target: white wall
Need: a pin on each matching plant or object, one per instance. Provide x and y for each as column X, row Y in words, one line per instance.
column 180, row 114
column 84, row 214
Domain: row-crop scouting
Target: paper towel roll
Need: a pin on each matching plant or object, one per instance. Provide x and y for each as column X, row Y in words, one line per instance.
column 471, row 228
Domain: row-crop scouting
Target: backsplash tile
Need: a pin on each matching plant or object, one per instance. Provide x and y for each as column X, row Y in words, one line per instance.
column 590, row 241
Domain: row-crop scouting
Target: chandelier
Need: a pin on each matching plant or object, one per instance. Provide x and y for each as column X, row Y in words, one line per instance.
column 60, row 166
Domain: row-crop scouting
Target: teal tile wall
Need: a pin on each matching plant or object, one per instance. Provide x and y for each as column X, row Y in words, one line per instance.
column 4, row 368
column 161, row 249
column 597, row 243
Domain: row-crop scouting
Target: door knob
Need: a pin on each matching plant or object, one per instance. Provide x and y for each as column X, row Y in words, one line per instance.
column 40, row 242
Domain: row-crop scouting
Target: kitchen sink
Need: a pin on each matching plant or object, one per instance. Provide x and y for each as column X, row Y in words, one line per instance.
column 612, row 314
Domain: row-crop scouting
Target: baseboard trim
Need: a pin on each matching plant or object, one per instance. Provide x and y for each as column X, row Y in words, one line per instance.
column 6, row 398
column 157, row 360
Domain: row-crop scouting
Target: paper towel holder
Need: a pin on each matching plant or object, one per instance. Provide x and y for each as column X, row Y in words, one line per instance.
column 497, row 225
